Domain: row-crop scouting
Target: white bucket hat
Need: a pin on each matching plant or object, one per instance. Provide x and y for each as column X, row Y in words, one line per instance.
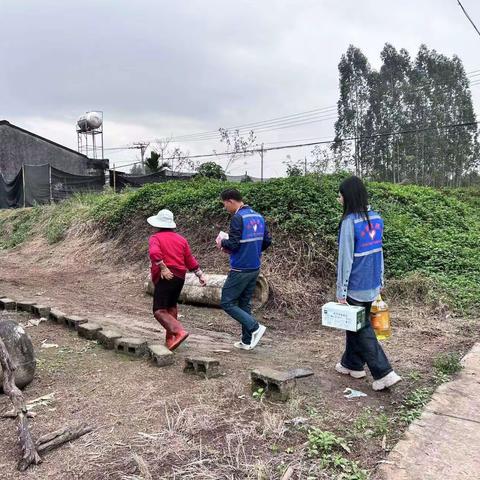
column 163, row 219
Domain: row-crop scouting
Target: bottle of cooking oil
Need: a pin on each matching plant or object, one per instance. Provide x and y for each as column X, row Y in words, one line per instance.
column 380, row 319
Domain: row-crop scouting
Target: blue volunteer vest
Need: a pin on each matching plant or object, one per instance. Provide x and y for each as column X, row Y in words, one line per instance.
column 367, row 257
column 250, row 252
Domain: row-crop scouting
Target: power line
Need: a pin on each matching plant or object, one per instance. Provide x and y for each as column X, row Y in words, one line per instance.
column 262, row 123
column 327, row 142
column 277, row 123
column 468, row 16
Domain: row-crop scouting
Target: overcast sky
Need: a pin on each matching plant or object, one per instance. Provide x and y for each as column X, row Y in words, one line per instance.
column 162, row 68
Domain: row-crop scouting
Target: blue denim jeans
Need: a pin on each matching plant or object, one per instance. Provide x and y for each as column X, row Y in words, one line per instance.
column 363, row 348
column 237, row 296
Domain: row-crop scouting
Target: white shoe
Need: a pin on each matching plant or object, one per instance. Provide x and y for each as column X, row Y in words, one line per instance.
column 257, row 335
column 346, row 371
column 242, row 346
column 387, row 381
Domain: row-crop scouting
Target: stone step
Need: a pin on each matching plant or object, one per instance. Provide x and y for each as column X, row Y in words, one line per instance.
column 26, row 306
column 41, row 311
column 89, row 330
column 205, row 367
column 136, row 347
column 57, row 316
column 276, row 385
column 161, row 355
column 7, row 304
column 73, row 321
column 107, row 337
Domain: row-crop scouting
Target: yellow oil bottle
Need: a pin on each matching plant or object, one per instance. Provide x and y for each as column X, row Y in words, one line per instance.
column 380, row 319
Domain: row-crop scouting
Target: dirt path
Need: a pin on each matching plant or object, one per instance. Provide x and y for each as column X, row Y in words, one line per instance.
column 78, row 280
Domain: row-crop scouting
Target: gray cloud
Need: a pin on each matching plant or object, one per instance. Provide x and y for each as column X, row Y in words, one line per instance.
column 184, row 66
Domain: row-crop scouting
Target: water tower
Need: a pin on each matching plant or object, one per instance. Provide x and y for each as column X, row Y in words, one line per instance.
column 90, row 134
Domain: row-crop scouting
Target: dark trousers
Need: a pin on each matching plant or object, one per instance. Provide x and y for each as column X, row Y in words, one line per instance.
column 363, row 348
column 237, row 296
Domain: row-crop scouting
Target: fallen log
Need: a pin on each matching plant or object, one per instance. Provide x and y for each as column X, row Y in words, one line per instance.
column 53, row 440
column 31, row 450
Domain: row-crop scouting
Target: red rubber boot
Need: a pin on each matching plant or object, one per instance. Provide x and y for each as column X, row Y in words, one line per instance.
column 175, row 331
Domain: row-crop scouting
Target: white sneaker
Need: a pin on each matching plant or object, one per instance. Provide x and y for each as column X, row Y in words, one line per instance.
column 242, row 346
column 346, row 371
column 257, row 335
column 387, row 381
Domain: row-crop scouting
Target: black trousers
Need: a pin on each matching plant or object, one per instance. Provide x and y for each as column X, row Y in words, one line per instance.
column 167, row 292
column 363, row 348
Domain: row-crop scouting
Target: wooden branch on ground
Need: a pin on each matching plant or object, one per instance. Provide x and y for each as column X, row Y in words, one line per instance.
column 31, row 450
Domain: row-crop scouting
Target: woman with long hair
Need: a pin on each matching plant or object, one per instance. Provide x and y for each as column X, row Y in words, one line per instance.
column 359, row 282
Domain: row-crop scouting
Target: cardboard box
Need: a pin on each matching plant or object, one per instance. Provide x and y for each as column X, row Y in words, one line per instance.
column 344, row 317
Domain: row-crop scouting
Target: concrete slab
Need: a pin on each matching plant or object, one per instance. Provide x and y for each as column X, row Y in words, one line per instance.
column 161, row 355
column 7, row 304
column 57, row 316
column 25, row 306
column 136, row 347
column 301, row 372
column 444, row 442
column 88, row 330
column 41, row 311
column 107, row 337
column 277, row 385
column 205, row 367
column 73, row 321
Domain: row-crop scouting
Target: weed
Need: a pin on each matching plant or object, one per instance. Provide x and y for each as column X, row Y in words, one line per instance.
column 448, row 363
column 414, row 376
column 414, row 403
column 323, row 442
column 369, row 424
column 259, row 393
column 327, row 445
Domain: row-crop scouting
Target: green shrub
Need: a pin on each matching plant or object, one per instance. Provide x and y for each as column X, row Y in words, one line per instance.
column 431, row 235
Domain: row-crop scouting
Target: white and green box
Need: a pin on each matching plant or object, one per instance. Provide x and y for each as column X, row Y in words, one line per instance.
column 342, row 316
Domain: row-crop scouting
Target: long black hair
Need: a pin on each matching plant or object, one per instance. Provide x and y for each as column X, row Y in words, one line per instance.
column 355, row 198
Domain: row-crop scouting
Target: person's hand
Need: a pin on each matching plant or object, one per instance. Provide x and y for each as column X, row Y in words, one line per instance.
column 165, row 273
column 218, row 241
column 203, row 280
column 342, row 300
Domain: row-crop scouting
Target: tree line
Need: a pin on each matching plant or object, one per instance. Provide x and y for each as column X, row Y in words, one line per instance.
column 402, row 118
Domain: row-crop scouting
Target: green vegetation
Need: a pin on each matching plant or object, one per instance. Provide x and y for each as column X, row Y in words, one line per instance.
column 369, row 424
column 328, row 447
column 431, row 235
column 446, row 365
column 414, row 404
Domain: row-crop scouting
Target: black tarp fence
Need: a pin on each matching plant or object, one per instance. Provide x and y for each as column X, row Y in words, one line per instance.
column 43, row 184
column 121, row 180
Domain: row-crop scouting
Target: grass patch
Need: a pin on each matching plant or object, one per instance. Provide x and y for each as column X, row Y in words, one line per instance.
column 414, row 403
column 329, row 448
column 431, row 235
column 370, row 424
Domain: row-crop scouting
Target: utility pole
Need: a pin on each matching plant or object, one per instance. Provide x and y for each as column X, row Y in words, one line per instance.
column 142, row 146
column 261, row 163
column 305, row 165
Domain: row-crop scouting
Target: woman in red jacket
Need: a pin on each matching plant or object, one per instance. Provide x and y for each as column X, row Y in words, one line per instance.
column 171, row 258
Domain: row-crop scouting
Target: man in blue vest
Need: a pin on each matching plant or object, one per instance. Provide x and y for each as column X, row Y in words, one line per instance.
column 248, row 237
